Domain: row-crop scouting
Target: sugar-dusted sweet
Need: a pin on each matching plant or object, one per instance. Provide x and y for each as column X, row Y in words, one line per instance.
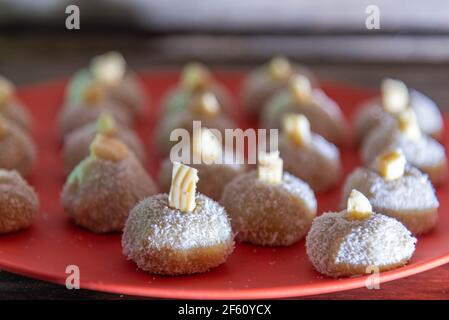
column 76, row 143
column 195, row 79
column 308, row 155
column 324, row 114
column 11, row 107
column 104, row 187
column 205, row 109
column 420, row 150
column 265, row 81
column 397, row 190
column 179, row 233
column 269, row 207
column 358, row 241
column 94, row 102
column 19, row 203
column 17, row 149
column 396, row 97
column 121, row 86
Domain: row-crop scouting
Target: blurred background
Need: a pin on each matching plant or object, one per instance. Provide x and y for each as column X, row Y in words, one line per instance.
column 412, row 42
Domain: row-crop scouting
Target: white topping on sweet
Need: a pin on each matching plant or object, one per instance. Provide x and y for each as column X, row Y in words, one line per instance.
column 391, row 164
column 301, row 88
column 279, row 68
column 270, row 167
column 183, row 187
column 206, row 104
column 109, row 68
column 358, row 206
column 195, row 77
column 395, row 95
column 297, row 128
column 408, row 124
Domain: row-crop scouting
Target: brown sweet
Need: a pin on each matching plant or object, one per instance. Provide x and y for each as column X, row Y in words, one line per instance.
column 166, row 241
column 19, row 203
column 324, row 114
column 17, row 150
column 76, row 143
column 342, row 247
column 73, row 117
column 317, row 163
column 195, row 79
column 11, row 108
column 210, row 117
column 264, row 82
column 411, row 198
column 102, row 189
column 269, row 214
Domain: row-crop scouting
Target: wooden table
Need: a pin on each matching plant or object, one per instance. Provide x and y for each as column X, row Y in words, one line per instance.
column 31, row 58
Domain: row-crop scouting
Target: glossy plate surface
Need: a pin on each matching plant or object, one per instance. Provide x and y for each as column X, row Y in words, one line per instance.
column 53, row 242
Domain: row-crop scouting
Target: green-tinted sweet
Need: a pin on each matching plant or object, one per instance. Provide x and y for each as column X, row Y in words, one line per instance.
column 78, row 174
column 178, row 101
column 277, row 107
column 78, row 85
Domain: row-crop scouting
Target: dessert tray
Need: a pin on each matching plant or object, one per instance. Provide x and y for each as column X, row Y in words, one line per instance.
column 53, row 244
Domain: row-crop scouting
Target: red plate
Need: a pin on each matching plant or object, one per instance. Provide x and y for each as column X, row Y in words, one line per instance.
column 52, row 243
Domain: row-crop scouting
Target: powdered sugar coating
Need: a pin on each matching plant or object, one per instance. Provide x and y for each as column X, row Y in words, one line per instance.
column 99, row 194
column 423, row 153
column 427, row 112
column 167, row 241
column 317, row 163
column 19, row 203
column 413, row 191
column 324, row 114
column 337, row 246
column 371, row 115
column 266, row 214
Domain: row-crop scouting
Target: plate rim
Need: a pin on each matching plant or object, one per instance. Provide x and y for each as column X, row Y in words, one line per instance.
column 275, row 292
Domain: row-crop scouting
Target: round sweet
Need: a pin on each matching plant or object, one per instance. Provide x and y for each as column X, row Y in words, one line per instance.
column 76, row 144
column 99, row 194
column 324, row 114
column 411, row 199
column 266, row 214
column 179, row 99
column 259, row 87
column 16, row 112
column 212, row 177
column 19, row 203
column 17, row 149
column 371, row 115
column 73, row 116
column 317, row 163
column 184, row 120
column 128, row 93
column 342, row 247
column 166, row 241
column 425, row 153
